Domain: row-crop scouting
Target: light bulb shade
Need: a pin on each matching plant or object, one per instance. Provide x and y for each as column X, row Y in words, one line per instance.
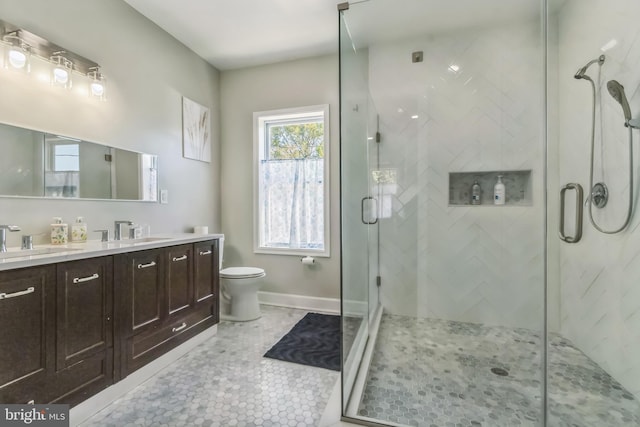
column 17, row 54
column 17, row 58
column 97, row 85
column 97, row 89
column 60, row 75
column 61, row 69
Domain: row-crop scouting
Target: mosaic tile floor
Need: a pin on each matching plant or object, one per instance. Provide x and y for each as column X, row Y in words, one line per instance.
column 350, row 327
column 434, row 373
column 227, row 382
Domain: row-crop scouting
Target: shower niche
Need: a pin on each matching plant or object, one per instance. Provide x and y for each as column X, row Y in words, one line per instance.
column 517, row 187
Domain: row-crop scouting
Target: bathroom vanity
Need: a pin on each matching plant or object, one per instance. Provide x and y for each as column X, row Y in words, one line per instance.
column 78, row 318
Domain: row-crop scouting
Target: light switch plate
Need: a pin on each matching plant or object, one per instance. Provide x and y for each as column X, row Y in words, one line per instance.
column 164, row 196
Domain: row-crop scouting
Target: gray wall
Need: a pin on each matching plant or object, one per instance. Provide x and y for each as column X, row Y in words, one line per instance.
column 148, row 72
column 290, row 84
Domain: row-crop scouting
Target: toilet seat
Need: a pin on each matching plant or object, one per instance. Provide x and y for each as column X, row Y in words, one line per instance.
column 241, row 273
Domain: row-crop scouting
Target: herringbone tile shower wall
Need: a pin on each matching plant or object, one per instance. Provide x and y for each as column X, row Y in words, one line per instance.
column 600, row 276
column 477, row 264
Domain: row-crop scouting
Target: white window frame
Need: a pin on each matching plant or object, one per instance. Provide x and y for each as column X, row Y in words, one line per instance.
column 260, row 119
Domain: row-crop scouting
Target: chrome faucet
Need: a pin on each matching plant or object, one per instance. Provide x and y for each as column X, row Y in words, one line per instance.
column 3, row 235
column 117, row 235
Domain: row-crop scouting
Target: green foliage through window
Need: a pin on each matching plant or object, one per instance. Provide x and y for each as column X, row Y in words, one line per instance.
column 296, row 141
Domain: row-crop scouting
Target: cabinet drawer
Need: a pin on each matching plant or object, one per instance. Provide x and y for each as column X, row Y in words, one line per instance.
column 27, row 318
column 140, row 286
column 145, row 347
column 84, row 309
column 84, row 379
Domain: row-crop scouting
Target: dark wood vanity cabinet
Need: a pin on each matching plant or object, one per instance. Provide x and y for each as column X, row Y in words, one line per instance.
column 206, row 275
column 84, row 329
column 27, row 340
column 72, row 329
column 56, row 344
column 140, row 290
column 160, row 311
column 179, row 280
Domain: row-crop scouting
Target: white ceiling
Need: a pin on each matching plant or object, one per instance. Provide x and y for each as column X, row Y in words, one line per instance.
column 233, row 34
column 239, row 33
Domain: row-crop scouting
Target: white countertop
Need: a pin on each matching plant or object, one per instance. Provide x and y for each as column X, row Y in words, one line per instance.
column 14, row 257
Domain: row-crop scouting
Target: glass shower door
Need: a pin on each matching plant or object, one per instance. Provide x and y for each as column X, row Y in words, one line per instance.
column 461, row 336
column 359, row 208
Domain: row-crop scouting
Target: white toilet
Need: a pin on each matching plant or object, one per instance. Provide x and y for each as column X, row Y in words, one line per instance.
column 239, row 291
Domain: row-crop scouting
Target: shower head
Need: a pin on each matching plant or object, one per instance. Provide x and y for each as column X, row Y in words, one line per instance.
column 580, row 74
column 617, row 91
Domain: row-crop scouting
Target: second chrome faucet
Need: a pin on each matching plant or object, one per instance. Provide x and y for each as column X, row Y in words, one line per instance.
column 117, row 235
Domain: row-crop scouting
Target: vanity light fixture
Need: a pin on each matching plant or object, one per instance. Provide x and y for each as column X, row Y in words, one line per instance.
column 61, row 69
column 97, row 84
column 17, row 52
column 67, row 68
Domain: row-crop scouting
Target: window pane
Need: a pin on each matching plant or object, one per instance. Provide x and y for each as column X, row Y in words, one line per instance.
column 291, row 184
column 296, row 140
column 66, row 157
column 293, row 203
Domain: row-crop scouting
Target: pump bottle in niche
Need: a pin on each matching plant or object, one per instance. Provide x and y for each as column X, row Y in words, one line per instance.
column 475, row 193
column 498, row 192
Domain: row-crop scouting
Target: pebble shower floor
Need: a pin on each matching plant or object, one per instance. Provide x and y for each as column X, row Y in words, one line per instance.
column 428, row 372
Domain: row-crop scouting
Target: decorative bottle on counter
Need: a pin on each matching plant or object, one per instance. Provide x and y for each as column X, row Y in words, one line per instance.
column 79, row 230
column 59, row 232
column 498, row 192
column 475, row 193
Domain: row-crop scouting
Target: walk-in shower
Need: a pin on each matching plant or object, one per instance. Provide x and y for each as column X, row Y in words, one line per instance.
column 458, row 310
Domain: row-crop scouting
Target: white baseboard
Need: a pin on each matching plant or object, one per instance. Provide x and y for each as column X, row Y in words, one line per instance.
column 96, row 403
column 327, row 305
column 355, row 308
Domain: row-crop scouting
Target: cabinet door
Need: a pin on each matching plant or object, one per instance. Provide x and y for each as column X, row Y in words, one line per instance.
column 84, row 309
column 140, row 285
column 206, row 274
column 27, row 318
column 179, row 279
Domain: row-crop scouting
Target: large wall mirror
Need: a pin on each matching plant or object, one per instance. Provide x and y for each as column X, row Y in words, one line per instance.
column 39, row 164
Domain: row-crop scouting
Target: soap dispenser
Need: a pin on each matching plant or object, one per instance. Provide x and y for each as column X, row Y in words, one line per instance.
column 79, row 230
column 475, row 193
column 498, row 192
column 59, row 232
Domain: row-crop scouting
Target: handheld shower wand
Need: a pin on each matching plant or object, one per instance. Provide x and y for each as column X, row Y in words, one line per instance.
column 598, row 197
column 581, row 73
column 617, row 91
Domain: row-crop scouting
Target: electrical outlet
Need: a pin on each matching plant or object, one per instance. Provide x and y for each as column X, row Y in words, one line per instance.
column 164, row 196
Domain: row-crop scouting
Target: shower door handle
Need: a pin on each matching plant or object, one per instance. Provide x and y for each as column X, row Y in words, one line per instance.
column 579, row 195
column 362, row 202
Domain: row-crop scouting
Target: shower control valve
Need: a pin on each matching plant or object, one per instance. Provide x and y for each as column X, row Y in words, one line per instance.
column 599, row 195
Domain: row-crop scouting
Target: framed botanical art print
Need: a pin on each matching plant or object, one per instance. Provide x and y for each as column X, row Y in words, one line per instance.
column 196, row 131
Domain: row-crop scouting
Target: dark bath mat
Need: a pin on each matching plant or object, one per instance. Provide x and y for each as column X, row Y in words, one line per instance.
column 313, row 341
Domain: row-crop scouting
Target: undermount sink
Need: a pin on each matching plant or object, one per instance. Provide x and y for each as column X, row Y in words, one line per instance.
column 33, row 252
column 142, row 240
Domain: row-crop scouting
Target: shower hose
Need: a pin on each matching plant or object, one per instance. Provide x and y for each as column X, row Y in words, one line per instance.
column 593, row 134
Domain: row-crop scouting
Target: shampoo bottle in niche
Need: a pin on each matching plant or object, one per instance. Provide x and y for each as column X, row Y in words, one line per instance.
column 79, row 230
column 59, row 232
column 475, row 193
column 498, row 192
